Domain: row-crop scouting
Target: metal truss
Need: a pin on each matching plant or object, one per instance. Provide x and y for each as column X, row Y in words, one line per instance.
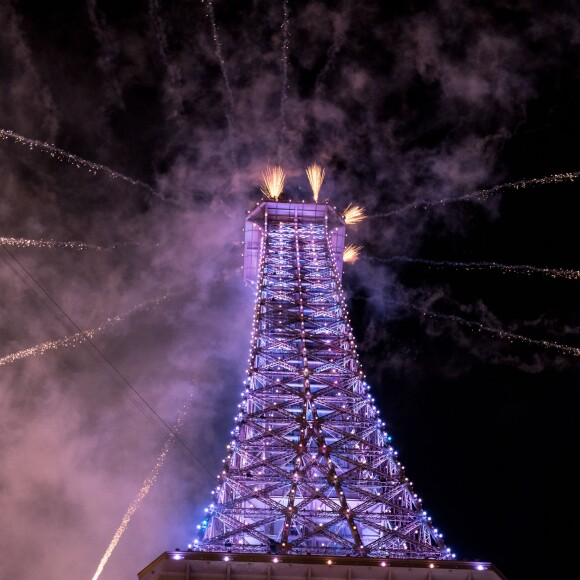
column 310, row 468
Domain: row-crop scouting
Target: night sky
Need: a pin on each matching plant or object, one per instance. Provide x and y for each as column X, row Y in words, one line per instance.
column 182, row 105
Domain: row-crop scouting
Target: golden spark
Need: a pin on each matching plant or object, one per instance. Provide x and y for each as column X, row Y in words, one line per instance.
column 354, row 214
column 315, row 177
column 351, row 253
column 273, row 181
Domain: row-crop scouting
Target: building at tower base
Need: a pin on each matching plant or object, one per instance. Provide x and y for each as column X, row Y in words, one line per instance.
column 190, row 565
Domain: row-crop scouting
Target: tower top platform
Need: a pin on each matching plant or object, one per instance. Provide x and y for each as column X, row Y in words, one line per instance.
column 267, row 213
column 288, row 211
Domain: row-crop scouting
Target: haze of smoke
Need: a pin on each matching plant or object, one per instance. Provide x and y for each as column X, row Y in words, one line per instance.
column 506, row 268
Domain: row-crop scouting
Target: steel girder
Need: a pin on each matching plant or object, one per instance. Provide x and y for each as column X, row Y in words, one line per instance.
column 310, row 468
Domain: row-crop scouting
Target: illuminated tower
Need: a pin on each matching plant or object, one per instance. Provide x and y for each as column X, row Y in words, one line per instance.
column 310, row 478
column 310, row 468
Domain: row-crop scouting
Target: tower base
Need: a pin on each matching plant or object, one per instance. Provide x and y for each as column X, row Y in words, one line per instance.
column 189, row 565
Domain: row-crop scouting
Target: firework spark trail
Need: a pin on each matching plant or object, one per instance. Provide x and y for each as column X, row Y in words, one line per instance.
column 79, row 162
column 159, row 31
column 354, row 214
column 78, row 337
column 222, row 63
column 109, row 53
column 508, row 268
column 351, row 253
column 172, row 94
column 338, row 41
column 284, row 90
column 22, row 57
column 145, row 488
column 511, row 336
column 315, row 175
column 273, row 181
column 484, row 193
column 26, row 243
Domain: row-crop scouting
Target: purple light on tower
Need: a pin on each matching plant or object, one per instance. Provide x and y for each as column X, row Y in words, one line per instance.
column 310, row 468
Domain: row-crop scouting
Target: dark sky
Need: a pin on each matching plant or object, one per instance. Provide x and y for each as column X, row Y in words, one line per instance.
column 400, row 102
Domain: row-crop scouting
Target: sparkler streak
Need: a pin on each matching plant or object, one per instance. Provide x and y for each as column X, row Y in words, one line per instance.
column 26, row 243
column 518, row 268
column 222, row 63
column 78, row 337
column 145, row 488
column 172, row 93
column 354, row 214
column 159, row 29
column 511, row 336
column 108, row 53
column 339, row 38
column 483, row 193
column 351, row 253
column 284, row 91
column 315, row 175
column 72, row 159
column 273, row 181
column 126, row 387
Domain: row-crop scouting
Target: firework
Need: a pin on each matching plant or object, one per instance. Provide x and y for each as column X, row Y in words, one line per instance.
column 351, row 253
column 506, row 268
column 484, row 193
column 79, row 337
column 506, row 334
column 284, row 62
column 75, row 160
column 25, row 243
column 145, row 488
column 273, row 181
column 354, row 214
column 229, row 95
column 315, row 177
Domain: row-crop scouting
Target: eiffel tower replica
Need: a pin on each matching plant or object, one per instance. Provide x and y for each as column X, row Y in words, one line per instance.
column 311, row 484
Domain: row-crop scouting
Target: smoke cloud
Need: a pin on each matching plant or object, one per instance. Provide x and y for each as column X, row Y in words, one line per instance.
column 398, row 104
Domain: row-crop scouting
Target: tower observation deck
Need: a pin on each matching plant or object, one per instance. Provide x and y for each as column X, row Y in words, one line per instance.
column 310, row 476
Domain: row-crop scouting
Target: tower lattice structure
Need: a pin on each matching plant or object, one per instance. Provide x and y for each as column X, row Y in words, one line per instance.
column 310, row 468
